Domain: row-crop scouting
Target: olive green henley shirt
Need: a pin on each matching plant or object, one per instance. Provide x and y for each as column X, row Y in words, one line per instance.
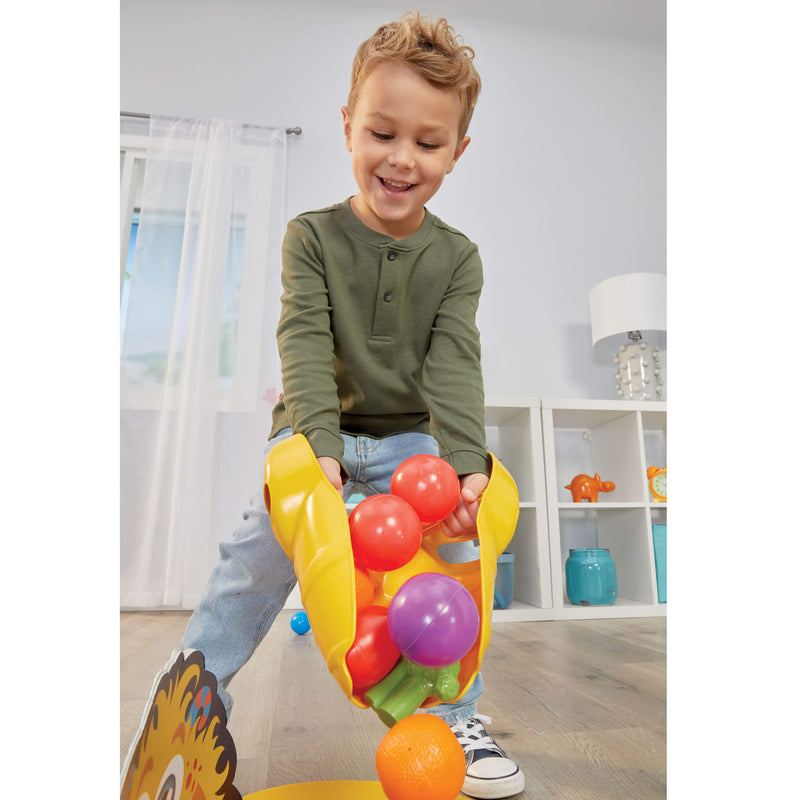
column 377, row 336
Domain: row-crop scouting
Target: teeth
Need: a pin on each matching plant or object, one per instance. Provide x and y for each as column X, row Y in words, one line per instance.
column 395, row 185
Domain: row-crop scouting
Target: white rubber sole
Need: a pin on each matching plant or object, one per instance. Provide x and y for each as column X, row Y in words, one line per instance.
column 494, row 789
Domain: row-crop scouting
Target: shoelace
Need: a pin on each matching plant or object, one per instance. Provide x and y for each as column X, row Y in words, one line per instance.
column 466, row 731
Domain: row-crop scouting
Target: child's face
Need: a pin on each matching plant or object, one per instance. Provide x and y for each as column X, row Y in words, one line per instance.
column 403, row 134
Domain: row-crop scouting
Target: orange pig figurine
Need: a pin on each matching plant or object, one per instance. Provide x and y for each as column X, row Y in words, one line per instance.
column 584, row 487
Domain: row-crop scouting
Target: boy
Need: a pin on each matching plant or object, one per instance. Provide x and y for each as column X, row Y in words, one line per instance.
column 379, row 350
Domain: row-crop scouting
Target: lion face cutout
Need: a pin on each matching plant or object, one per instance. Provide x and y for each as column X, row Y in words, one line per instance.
column 184, row 750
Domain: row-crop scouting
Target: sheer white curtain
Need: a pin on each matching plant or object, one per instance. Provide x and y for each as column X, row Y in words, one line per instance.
column 199, row 365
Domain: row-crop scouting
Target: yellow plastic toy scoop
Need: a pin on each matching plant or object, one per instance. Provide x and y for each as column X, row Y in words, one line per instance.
column 324, row 790
column 309, row 520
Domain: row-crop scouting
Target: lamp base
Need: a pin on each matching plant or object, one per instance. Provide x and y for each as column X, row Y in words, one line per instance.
column 638, row 372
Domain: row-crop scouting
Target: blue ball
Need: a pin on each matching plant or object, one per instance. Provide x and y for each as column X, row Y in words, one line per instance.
column 300, row 623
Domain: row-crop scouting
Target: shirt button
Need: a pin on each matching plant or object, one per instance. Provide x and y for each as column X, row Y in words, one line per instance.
column 387, row 297
column 392, row 255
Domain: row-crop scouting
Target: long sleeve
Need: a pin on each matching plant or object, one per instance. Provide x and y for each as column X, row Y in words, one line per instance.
column 305, row 343
column 452, row 379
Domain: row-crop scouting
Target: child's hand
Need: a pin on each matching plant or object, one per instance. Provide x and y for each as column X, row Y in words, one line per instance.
column 463, row 519
column 333, row 472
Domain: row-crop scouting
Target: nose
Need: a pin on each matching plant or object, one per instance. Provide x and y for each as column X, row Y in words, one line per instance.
column 402, row 155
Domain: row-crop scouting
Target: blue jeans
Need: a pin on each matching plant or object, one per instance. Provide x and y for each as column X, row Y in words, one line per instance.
column 253, row 578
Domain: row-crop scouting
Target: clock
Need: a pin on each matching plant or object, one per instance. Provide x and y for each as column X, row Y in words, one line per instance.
column 658, row 483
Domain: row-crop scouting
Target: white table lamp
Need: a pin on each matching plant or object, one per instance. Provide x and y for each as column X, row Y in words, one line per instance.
column 634, row 305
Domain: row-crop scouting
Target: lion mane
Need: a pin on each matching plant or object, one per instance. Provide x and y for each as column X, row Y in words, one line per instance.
column 184, row 751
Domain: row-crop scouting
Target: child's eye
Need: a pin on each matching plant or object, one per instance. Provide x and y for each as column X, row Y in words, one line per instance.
column 428, row 146
column 382, row 137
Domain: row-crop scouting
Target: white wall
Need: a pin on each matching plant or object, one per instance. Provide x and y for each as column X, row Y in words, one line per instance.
column 564, row 183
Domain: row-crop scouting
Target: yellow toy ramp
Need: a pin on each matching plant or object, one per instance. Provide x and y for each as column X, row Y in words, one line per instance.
column 324, row 790
column 310, row 522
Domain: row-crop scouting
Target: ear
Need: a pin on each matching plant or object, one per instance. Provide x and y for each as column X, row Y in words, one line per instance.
column 459, row 150
column 347, row 128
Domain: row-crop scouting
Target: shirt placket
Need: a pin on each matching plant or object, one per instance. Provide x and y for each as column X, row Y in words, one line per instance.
column 387, row 305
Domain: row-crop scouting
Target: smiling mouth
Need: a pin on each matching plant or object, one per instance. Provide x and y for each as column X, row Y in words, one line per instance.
column 396, row 186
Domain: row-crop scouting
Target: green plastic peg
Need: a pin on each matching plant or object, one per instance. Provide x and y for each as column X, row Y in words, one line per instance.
column 404, row 689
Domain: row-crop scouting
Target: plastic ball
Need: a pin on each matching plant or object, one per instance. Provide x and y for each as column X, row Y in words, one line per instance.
column 433, row 620
column 385, row 532
column 300, row 623
column 373, row 653
column 429, row 484
column 365, row 589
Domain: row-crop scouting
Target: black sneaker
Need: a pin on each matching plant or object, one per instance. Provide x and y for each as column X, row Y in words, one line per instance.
column 490, row 771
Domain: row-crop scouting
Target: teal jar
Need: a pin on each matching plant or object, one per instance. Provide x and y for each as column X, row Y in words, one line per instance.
column 591, row 577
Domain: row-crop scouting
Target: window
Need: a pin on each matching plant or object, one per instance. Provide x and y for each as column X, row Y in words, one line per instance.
column 153, row 318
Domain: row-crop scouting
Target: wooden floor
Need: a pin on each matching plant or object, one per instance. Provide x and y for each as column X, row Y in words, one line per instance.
column 580, row 705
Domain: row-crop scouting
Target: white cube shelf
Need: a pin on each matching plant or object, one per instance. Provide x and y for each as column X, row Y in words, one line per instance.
column 617, row 440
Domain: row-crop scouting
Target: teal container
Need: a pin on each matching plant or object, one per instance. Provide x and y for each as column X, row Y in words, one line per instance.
column 504, row 583
column 660, row 550
column 591, row 577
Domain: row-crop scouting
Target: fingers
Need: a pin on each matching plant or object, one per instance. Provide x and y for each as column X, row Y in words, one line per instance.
column 463, row 520
column 472, row 486
column 333, row 472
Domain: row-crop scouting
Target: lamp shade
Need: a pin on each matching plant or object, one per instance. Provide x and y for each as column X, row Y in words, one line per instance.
column 636, row 301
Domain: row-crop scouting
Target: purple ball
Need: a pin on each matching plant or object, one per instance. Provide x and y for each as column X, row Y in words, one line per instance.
column 433, row 620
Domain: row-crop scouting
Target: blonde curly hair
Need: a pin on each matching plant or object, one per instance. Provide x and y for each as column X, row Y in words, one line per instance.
column 431, row 48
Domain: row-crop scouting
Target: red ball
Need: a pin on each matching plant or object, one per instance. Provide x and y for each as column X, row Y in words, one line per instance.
column 385, row 532
column 429, row 484
column 373, row 653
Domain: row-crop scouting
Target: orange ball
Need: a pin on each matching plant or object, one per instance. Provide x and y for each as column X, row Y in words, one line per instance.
column 365, row 590
column 420, row 759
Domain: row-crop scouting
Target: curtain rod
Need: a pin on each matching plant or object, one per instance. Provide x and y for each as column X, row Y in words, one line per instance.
column 289, row 131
